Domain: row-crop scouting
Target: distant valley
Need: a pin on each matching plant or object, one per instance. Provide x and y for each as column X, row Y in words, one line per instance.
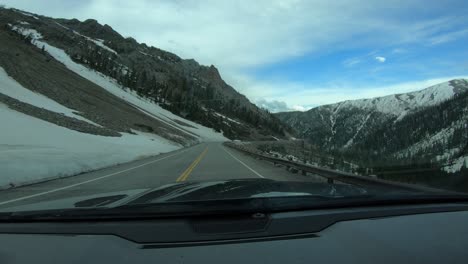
column 426, row 127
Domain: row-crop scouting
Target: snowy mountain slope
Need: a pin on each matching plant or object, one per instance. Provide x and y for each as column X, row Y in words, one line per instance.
column 400, row 104
column 111, row 85
column 425, row 124
column 53, row 151
column 60, row 118
column 457, row 165
column 10, row 87
column 184, row 87
column 33, row 150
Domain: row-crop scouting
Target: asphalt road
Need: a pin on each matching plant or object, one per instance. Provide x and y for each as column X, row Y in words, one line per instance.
column 203, row 162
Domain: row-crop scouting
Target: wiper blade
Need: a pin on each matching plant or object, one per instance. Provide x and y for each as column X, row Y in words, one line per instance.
column 173, row 209
column 226, row 207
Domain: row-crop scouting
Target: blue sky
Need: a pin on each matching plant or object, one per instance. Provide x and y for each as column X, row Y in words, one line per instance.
column 300, row 53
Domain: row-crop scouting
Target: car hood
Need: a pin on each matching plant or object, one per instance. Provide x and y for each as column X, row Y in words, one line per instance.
column 198, row 191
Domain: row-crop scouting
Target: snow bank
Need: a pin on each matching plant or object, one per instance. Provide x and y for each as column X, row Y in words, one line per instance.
column 111, row 85
column 12, row 88
column 33, row 150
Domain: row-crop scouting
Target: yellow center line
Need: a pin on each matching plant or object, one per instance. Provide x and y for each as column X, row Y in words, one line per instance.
column 192, row 166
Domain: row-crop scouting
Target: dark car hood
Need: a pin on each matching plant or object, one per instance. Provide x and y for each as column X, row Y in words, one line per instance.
column 244, row 188
column 199, row 191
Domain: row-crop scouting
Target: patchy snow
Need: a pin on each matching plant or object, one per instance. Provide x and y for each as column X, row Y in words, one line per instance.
column 98, row 42
column 441, row 136
column 124, row 69
column 457, row 165
column 401, row 116
column 112, row 86
column 363, row 123
column 26, row 14
column 62, row 26
column 332, row 128
column 23, row 22
column 321, row 117
column 11, row 88
column 32, row 150
column 26, row 32
column 144, row 53
column 447, row 154
column 227, row 118
column 333, row 121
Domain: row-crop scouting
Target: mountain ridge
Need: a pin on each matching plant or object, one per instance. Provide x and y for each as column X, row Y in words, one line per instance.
column 62, row 118
column 184, row 87
column 355, row 126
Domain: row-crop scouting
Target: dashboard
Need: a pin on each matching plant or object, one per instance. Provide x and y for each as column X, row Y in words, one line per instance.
column 434, row 233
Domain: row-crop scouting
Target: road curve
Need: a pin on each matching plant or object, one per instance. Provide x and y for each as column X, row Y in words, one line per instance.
column 203, row 162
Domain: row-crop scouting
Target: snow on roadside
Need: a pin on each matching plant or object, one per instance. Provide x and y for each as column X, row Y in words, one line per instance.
column 111, row 85
column 33, row 150
column 11, row 88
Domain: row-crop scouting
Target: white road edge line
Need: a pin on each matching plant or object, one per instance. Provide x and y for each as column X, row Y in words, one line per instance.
column 88, row 181
column 258, row 174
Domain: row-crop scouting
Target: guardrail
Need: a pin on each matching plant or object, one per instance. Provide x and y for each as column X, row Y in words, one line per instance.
column 333, row 176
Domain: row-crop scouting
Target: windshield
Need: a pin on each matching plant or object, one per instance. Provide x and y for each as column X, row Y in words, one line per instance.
column 107, row 104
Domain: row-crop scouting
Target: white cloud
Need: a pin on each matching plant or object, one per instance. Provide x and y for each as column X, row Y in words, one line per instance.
column 447, row 37
column 239, row 34
column 299, row 108
column 351, row 62
column 274, row 106
column 399, row 51
column 380, row 59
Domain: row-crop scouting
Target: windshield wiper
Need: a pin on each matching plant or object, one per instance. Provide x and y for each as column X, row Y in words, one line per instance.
column 177, row 209
column 225, row 207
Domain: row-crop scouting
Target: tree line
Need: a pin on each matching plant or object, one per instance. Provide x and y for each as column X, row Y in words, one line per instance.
column 183, row 95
